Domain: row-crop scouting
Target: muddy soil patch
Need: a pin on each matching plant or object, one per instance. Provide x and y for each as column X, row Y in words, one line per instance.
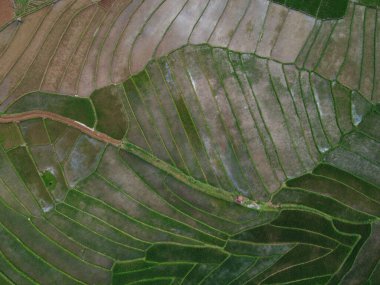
column 6, row 11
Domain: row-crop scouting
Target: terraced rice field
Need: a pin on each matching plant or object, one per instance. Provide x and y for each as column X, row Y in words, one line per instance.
column 191, row 142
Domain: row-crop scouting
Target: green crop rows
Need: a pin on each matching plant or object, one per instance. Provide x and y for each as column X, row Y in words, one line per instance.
column 127, row 218
column 199, row 129
column 323, row 9
column 24, row 7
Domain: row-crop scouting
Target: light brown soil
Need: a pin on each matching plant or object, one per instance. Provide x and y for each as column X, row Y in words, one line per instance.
column 152, row 34
column 66, row 48
column 86, row 83
column 103, row 75
column 71, row 78
column 120, row 60
column 6, row 11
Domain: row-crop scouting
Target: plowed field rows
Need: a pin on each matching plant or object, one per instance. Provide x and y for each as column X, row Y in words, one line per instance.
column 191, row 142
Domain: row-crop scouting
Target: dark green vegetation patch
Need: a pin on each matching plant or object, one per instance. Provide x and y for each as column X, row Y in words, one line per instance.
column 322, row 9
column 24, row 7
column 10, row 135
column 199, row 127
column 368, row 2
column 49, row 179
column 112, row 118
column 174, row 252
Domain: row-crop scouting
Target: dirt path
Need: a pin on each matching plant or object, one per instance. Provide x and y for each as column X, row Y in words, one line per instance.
column 171, row 170
column 139, row 152
column 15, row 118
column 6, row 11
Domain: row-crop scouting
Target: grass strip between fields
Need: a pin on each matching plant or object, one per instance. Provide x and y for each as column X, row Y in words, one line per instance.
column 191, row 181
column 146, row 156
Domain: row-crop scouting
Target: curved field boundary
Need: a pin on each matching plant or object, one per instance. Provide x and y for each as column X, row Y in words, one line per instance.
column 170, row 111
column 243, row 28
column 153, row 207
column 133, row 220
column 160, row 164
column 322, row 9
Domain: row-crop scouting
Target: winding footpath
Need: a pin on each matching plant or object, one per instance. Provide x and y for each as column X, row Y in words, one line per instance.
column 142, row 154
column 16, row 118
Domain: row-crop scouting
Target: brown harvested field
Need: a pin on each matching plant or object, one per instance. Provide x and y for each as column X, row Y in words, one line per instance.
column 6, row 11
column 33, row 80
column 301, row 27
column 348, row 75
column 181, row 28
column 106, row 4
column 104, row 70
column 20, row 41
column 6, row 36
column 75, row 47
column 206, row 24
column 122, row 53
column 232, row 15
column 146, row 43
column 66, row 48
column 332, row 59
column 248, row 33
column 20, row 68
column 190, row 142
column 319, row 44
column 87, row 82
column 70, row 80
column 276, row 16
